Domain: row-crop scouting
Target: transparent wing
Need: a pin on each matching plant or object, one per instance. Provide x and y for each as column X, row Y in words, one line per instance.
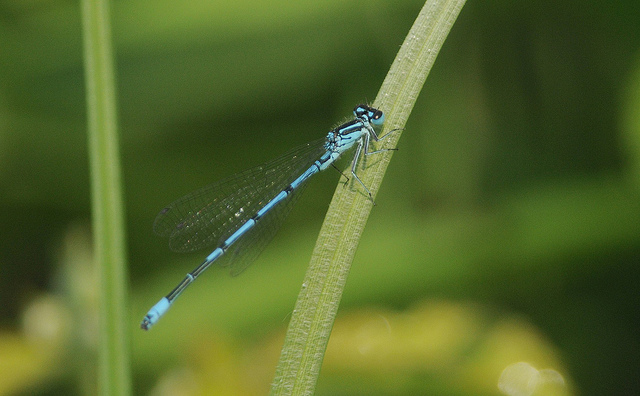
column 244, row 252
column 211, row 214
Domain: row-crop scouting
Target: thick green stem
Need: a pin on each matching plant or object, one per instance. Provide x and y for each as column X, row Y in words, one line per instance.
column 312, row 319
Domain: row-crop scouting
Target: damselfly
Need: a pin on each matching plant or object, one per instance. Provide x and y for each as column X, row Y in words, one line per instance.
column 241, row 214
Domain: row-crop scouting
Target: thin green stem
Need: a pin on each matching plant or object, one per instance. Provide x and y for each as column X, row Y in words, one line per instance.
column 106, row 200
column 312, row 319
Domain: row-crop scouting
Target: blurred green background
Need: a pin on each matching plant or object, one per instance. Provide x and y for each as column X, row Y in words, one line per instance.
column 507, row 228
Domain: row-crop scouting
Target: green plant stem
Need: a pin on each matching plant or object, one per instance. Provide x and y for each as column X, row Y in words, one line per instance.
column 312, row 319
column 106, row 200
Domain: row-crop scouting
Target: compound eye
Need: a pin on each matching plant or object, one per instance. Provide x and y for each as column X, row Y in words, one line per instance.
column 377, row 118
column 360, row 110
